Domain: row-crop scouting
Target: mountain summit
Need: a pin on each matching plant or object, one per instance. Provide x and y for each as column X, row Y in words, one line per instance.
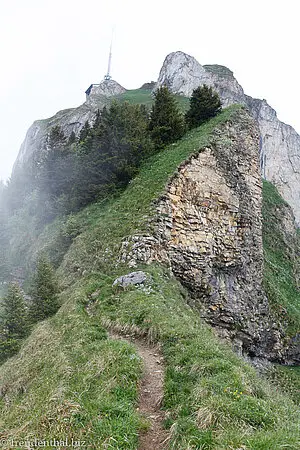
column 182, row 73
column 107, row 88
column 177, row 274
column 70, row 120
column 279, row 143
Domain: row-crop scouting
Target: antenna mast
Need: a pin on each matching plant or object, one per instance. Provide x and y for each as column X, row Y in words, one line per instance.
column 108, row 75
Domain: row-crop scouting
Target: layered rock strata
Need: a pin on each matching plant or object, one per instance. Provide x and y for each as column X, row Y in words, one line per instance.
column 208, row 229
column 279, row 143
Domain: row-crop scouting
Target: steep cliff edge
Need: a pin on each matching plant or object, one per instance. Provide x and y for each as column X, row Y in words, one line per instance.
column 208, row 229
column 281, row 243
column 182, row 73
column 69, row 120
column 280, row 143
column 70, row 381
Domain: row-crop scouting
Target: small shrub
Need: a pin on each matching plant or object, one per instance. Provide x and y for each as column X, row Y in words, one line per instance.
column 204, row 104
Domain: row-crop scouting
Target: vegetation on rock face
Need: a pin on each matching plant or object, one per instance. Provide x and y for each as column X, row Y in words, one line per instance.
column 204, row 104
column 4, row 241
column 166, row 120
column 282, row 271
column 281, row 277
column 14, row 324
column 71, row 380
column 69, row 175
column 219, row 70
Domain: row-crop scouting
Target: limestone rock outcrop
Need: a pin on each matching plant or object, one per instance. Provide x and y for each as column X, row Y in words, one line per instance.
column 279, row 153
column 108, row 88
column 182, row 73
column 279, row 144
column 208, row 229
column 133, row 278
column 69, row 120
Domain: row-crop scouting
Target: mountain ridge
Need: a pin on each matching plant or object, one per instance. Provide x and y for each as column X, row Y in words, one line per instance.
column 71, row 380
column 280, row 143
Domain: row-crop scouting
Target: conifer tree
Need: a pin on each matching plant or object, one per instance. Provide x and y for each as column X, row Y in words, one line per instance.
column 56, row 137
column 72, row 138
column 85, row 131
column 4, row 239
column 204, row 104
column 44, row 299
column 166, row 121
column 119, row 142
column 14, row 325
column 97, row 120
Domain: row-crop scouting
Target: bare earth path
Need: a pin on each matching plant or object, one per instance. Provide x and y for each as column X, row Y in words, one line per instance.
column 151, row 393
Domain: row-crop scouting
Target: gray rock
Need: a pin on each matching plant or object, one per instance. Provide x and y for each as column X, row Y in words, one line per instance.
column 108, row 88
column 214, row 246
column 133, row 278
column 182, row 73
column 69, row 120
column 279, row 143
column 94, row 295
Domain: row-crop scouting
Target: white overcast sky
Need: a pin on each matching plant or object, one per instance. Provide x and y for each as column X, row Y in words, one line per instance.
column 52, row 50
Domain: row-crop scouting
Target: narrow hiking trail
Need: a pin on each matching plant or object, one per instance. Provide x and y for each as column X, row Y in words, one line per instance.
column 150, row 393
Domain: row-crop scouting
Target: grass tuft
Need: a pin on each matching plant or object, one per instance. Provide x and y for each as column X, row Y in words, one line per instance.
column 71, row 380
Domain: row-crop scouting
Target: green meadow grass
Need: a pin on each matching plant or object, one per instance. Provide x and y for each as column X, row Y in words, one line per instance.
column 281, row 268
column 145, row 97
column 71, row 380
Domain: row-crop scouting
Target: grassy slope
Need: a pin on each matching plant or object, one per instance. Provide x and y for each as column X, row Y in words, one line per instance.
column 69, row 370
column 279, row 279
column 55, row 238
column 137, row 96
column 280, row 266
column 145, row 97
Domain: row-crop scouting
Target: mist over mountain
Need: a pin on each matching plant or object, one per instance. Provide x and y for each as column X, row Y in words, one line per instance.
column 150, row 270
column 279, row 146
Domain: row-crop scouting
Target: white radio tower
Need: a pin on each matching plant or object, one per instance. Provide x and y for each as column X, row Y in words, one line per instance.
column 108, row 75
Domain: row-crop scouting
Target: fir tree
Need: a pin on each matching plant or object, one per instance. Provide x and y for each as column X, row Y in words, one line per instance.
column 85, row 131
column 97, row 120
column 44, row 299
column 55, row 175
column 110, row 156
column 166, row 121
column 4, row 239
column 125, row 138
column 204, row 104
column 14, row 326
column 56, row 137
column 72, row 138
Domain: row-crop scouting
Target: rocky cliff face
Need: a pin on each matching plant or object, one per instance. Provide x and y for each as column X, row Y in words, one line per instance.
column 208, row 229
column 279, row 144
column 69, row 120
column 279, row 153
column 182, row 73
column 106, row 89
